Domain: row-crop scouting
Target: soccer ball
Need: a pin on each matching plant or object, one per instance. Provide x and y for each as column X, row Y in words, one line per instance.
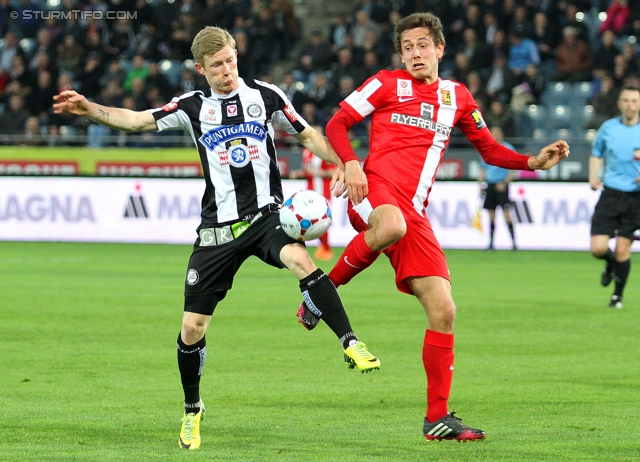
column 305, row 215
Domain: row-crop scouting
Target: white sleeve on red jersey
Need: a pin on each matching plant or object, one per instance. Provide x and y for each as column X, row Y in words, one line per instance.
column 366, row 98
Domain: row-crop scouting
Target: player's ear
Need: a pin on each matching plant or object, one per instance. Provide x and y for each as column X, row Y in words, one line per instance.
column 199, row 67
column 440, row 51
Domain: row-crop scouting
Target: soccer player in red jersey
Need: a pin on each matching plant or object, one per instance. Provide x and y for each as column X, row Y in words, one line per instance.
column 413, row 112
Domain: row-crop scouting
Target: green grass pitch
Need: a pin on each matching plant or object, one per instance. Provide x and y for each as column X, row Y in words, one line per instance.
column 88, row 362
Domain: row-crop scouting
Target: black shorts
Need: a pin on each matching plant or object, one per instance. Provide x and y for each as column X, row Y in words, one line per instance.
column 494, row 198
column 616, row 211
column 212, row 268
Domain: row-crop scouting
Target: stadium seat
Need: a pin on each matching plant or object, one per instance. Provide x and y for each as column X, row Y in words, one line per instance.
column 171, row 70
column 581, row 115
column 624, row 40
column 189, row 64
column 27, row 45
column 559, row 116
column 559, row 134
column 581, row 93
column 589, row 135
column 53, row 5
column 536, row 115
column 556, row 93
column 67, row 133
column 539, row 134
column 126, row 65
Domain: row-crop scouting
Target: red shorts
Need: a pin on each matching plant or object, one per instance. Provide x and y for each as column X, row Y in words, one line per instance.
column 418, row 253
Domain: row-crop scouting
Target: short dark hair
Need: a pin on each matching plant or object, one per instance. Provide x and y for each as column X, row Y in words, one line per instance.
column 414, row 21
column 628, row 87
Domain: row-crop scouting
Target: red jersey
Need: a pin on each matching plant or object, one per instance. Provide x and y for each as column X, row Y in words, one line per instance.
column 411, row 127
column 319, row 184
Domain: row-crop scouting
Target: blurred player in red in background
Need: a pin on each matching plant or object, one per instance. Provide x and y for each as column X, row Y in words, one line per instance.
column 318, row 174
column 412, row 114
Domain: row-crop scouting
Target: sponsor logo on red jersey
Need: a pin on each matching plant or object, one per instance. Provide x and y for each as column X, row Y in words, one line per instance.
column 169, row 106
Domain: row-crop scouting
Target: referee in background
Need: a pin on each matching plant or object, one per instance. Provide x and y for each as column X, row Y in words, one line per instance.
column 494, row 188
column 617, row 213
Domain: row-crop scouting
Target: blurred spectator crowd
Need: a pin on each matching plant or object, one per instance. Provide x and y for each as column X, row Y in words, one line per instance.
column 536, row 67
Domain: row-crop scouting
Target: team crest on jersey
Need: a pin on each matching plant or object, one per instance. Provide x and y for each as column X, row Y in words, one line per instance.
column 232, row 110
column 446, row 97
column 405, row 88
column 238, row 154
column 477, row 119
column 169, row 106
column 254, row 110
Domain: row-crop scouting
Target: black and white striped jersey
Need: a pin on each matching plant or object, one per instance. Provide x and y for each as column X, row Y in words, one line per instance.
column 234, row 135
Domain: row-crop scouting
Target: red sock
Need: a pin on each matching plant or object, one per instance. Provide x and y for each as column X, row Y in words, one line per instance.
column 437, row 357
column 357, row 257
column 324, row 241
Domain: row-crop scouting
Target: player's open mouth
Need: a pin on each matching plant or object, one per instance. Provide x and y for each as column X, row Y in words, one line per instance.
column 418, row 66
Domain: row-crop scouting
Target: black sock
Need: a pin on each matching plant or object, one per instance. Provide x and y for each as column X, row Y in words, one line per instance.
column 190, row 362
column 492, row 230
column 322, row 299
column 609, row 256
column 512, row 232
column 621, row 272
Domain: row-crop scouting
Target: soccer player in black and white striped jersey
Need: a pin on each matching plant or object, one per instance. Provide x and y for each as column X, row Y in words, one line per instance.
column 232, row 127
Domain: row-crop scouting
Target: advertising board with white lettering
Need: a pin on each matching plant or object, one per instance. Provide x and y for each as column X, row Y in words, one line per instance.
column 153, row 210
column 141, row 210
column 551, row 216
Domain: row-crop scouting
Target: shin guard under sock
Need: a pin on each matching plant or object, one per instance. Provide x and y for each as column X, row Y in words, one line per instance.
column 322, row 299
column 357, row 257
column 191, row 360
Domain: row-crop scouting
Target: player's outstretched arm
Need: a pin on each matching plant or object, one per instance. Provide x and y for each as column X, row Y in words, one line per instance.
column 318, row 144
column 549, row 156
column 71, row 102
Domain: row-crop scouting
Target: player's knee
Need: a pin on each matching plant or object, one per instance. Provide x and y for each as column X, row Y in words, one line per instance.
column 297, row 259
column 390, row 231
column 192, row 331
column 443, row 316
column 397, row 229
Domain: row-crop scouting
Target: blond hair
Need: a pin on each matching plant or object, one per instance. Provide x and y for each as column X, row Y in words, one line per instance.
column 414, row 21
column 209, row 41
